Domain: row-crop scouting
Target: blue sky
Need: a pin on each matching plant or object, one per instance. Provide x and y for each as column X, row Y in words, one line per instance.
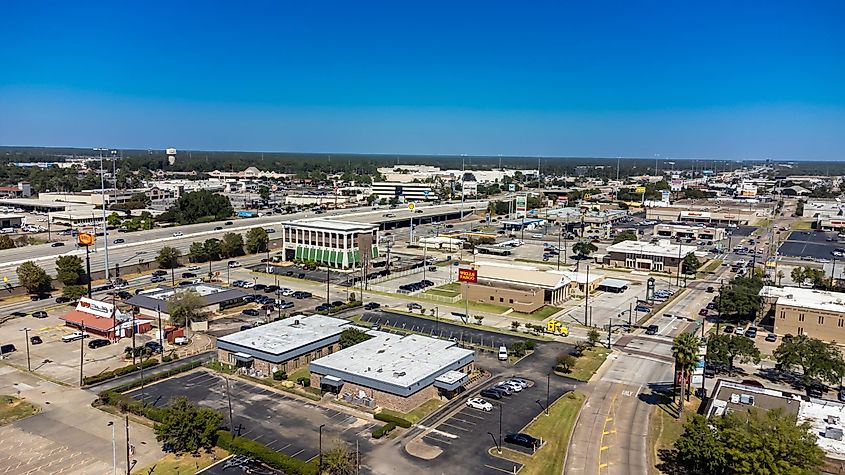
column 680, row 79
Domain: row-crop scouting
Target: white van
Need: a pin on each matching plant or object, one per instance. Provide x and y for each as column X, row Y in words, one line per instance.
column 503, row 353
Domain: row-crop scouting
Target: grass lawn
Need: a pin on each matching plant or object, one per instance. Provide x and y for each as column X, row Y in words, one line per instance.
column 664, row 428
column 555, row 429
column 711, row 266
column 441, row 293
column 588, row 363
column 182, row 464
column 12, row 409
column 418, row 413
column 801, row 225
column 762, row 223
column 300, row 373
column 540, row 314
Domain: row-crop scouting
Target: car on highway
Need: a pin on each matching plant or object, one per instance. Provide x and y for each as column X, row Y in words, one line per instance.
column 642, row 308
column 233, row 264
column 178, row 234
column 480, row 404
column 537, row 236
column 492, row 393
column 57, row 244
column 522, row 440
column 159, row 273
column 74, row 336
column 156, row 278
column 62, row 299
column 35, row 340
column 193, row 268
column 98, row 343
column 119, row 241
column 218, row 228
column 228, row 223
column 651, row 330
column 188, row 275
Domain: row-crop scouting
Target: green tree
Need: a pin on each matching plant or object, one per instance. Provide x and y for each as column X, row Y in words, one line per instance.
column 690, row 264
column 748, row 443
column 232, row 245
column 685, row 352
column 726, row 348
column 197, row 252
column 264, row 193
column 74, row 292
column 626, row 235
column 565, row 363
column 187, row 428
column 69, row 269
column 740, row 298
column 213, row 249
column 168, row 257
column 184, row 306
column 114, row 220
column 515, row 325
column 198, row 206
column 593, row 337
column 33, row 277
column 6, row 242
column 818, row 360
column 798, row 275
column 352, row 336
column 257, row 240
column 584, row 248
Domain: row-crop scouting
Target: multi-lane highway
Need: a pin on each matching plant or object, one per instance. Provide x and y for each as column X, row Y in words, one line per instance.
column 143, row 246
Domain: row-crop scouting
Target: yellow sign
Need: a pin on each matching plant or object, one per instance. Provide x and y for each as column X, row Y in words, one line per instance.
column 640, row 189
column 85, row 239
column 411, row 205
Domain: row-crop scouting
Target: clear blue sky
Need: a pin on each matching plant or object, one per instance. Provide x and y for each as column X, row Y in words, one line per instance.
column 733, row 79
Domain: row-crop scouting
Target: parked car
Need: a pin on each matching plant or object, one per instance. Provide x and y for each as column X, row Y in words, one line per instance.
column 505, row 389
column 751, row 332
column 98, row 343
column 503, row 353
column 35, row 340
column 514, row 386
column 180, row 340
column 815, row 390
column 710, row 290
column 39, row 314
column 7, row 348
column 414, row 306
column 251, row 312
column 523, row 440
column 284, row 305
column 371, row 305
column 771, row 337
column 74, row 336
column 478, row 403
column 154, row 346
column 492, row 393
column 651, row 330
column 729, row 329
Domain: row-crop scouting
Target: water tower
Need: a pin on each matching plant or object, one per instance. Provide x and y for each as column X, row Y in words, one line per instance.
column 171, row 156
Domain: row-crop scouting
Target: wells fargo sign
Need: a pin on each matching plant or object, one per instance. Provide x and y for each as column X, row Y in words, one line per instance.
column 468, row 275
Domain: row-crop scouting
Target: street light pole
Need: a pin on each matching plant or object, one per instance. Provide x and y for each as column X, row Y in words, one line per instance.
column 113, row 448
column 28, row 364
column 128, row 465
column 548, row 390
column 320, row 462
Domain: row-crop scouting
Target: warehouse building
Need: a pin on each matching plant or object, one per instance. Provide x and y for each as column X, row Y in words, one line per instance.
column 799, row 311
column 284, row 345
column 662, row 256
column 340, row 244
column 396, row 372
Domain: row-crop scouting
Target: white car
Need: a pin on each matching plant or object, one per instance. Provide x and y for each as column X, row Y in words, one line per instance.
column 287, row 292
column 519, row 381
column 740, row 331
column 194, row 268
column 177, row 234
column 538, row 236
column 249, row 285
column 75, row 336
column 180, row 340
column 515, row 387
column 478, row 403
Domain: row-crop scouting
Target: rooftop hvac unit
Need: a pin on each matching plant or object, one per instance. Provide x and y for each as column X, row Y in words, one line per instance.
column 834, row 433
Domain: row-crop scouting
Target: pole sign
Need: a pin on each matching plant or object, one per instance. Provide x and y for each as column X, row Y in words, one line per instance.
column 95, row 307
column 640, row 189
column 511, row 187
column 521, row 205
column 411, row 206
column 468, row 275
column 85, row 239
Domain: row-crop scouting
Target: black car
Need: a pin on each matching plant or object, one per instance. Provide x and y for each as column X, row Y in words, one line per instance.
column 271, row 288
column 729, row 329
column 259, row 287
column 228, row 223
column 651, row 330
column 218, row 228
column 57, row 244
column 246, row 327
column 371, row 305
column 185, row 283
column 289, row 273
column 251, row 312
column 815, row 390
column 35, row 340
column 119, row 241
column 62, row 299
column 492, row 393
column 336, row 303
column 159, row 273
column 39, row 314
column 8, row 348
column 523, row 440
column 322, row 307
column 301, row 275
column 154, row 346
column 124, row 294
column 98, row 343
column 188, row 275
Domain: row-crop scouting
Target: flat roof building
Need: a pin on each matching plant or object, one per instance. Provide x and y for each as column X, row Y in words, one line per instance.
column 336, row 243
column 801, row 311
column 520, row 287
column 404, row 191
column 662, row 256
column 689, row 233
column 216, row 298
column 284, row 345
column 397, row 372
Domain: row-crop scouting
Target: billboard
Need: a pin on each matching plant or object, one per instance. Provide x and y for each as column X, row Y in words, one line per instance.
column 665, row 194
column 468, row 275
column 95, row 307
column 521, row 205
column 85, row 239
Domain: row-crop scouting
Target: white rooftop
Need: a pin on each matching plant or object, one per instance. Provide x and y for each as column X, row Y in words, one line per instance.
column 395, row 359
column 330, row 224
column 520, row 275
column 823, row 415
column 662, row 248
column 287, row 334
column 806, row 298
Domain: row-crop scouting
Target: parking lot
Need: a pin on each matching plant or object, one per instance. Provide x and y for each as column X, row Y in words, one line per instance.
column 441, row 329
column 810, row 244
column 284, row 423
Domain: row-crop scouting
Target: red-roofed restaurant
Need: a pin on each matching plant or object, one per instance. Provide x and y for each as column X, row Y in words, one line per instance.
column 104, row 320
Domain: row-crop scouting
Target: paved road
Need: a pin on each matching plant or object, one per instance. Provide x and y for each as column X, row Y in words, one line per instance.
column 113, row 383
column 144, row 245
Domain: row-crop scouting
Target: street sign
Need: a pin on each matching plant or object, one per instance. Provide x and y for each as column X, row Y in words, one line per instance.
column 511, row 187
column 468, row 275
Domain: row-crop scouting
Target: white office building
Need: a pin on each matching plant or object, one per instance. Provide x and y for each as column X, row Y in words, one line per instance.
column 404, row 191
column 341, row 244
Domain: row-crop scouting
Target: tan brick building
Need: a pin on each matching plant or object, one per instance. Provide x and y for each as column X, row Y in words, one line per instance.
column 285, row 345
column 798, row 311
column 395, row 372
column 522, row 288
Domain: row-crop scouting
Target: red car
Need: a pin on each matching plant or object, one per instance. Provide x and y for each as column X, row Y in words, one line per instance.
column 703, row 312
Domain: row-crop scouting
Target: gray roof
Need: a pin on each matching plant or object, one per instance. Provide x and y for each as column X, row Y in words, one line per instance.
column 395, row 364
column 154, row 300
column 285, row 339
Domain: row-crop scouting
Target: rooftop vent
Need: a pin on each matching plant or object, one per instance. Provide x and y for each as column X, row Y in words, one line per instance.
column 398, row 374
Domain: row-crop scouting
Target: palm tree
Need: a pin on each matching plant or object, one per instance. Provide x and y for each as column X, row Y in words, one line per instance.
column 685, row 351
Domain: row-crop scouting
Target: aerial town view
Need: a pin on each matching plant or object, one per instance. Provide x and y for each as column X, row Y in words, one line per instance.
column 554, row 238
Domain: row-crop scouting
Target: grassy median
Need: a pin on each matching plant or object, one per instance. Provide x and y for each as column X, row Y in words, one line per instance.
column 183, row 463
column 12, row 409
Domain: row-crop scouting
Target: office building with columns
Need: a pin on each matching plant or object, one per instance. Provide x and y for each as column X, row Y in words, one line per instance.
column 339, row 244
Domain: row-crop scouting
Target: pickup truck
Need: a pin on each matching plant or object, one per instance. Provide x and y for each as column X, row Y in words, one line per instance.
column 75, row 336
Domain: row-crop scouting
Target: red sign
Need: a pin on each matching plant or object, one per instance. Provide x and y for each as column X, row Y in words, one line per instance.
column 468, row 275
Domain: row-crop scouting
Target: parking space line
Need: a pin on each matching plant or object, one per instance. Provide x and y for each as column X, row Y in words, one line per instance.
column 499, row 469
column 470, row 415
column 462, row 420
column 300, row 451
column 427, row 436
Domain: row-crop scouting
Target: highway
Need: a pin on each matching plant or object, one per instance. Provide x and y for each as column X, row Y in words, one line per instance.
column 143, row 246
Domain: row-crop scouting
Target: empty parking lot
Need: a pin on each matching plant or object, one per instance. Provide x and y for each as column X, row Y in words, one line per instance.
column 284, row 423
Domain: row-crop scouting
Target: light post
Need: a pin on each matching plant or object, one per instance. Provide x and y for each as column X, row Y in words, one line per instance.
column 28, row 364
column 320, row 462
column 548, row 390
column 496, row 443
column 113, row 448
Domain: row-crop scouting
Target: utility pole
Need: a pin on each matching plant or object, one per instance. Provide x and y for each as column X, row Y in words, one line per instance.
column 586, row 296
column 105, row 223
column 231, row 418
column 128, row 465
column 81, row 354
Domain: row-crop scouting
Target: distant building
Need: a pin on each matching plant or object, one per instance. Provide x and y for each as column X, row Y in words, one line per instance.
column 644, row 256
column 689, row 233
column 341, row 244
column 249, row 173
column 522, row 288
column 404, row 191
column 104, row 320
column 21, row 190
column 470, row 185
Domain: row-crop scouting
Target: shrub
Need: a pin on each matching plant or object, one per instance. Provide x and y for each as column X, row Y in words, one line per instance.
column 251, row 448
column 106, row 375
column 280, row 376
column 518, row 349
column 381, row 416
column 304, row 380
column 530, row 345
column 579, row 349
column 565, row 363
column 381, row 431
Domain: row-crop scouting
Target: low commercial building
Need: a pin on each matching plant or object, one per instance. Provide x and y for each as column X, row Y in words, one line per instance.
column 340, row 244
column 404, row 191
column 396, row 372
column 662, row 256
column 284, row 345
column 328, row 200
column 151, row 302
column 801, row 311
column 104, row 320
column 708, row 234
column 11, row 220
column 523, row 288
column 21, row 190
column 710, row 213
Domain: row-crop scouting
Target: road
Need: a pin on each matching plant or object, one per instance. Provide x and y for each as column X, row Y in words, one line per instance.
column 142, row 246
